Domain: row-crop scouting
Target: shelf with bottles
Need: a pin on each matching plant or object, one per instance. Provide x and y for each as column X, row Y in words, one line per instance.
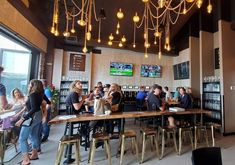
column 211, row 87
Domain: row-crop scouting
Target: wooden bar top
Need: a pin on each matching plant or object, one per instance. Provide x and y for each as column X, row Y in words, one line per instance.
column 118, row 115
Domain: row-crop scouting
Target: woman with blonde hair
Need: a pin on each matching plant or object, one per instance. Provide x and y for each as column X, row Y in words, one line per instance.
column 31, row 122
column 75, row 99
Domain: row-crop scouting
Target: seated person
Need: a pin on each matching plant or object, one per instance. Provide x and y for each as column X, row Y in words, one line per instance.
column 168, row 94
column 141, row 94
column 75, row 99
column 154, row 98
column 185, row 99
column 177, row 94
column 106, row 90
column 89, row 102
column 114, row 97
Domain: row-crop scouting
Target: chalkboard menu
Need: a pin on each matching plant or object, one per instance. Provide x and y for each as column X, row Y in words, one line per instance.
column 77, row 62
column 181, row 71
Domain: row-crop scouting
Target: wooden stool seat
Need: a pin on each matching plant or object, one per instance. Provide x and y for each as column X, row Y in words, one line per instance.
column 96, row 138
column 153, row 136
column 182, row 133
column 149, row 131
column 129, row 134
column 68, row 140
column 167, row 131
column 133, row 136
column 101, row 136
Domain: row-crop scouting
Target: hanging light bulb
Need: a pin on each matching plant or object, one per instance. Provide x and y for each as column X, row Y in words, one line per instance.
column 84, row 49
column 199, row 3
column 184, row 10
column 157, row 33
column 120, row 14
column 52, row 29
column 136, row 18
column 88, row 36
column 145, row 55
column 120, row 44
column 209, row 7
column 99, row 40
column 56, row 33
column 110, row 43
column 146, row 44
column 155, row 42
column 168, row 48
column 72, row 30
column 81, row 22
column 134, row 45
column 145, row 1
column 189, row 1
column 111, row 37
column 159, row 55
column 123, row 39
column 117, row 31
column 90, row 27
column 145, row 35
column 161, row 3
column 118, row 25
column 66, row 34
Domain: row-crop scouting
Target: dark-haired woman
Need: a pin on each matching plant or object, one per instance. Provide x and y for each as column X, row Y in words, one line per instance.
column 31, row 131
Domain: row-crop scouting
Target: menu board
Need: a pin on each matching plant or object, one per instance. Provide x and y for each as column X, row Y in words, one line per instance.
column 77, row 62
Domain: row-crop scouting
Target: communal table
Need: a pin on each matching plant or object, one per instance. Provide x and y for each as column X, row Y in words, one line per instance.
column 121, row 115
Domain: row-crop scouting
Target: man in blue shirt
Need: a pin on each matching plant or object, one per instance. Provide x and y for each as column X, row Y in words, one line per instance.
column 140, row 97
column 45, row 125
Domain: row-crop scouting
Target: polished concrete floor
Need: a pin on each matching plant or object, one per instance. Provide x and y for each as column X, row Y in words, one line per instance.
column 49, row 149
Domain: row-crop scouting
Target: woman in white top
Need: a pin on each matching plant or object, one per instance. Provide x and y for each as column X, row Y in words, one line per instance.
column 168, row 93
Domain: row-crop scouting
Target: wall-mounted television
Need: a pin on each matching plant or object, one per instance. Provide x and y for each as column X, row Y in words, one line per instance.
column 181, row 71
column 151, row 71
column 121, row 69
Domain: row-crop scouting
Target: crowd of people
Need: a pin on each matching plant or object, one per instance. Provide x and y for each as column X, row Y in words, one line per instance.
column 32, row 112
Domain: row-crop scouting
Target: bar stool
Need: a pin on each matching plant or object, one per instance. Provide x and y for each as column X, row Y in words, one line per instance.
column 202, row 130
column 68, row 140
column 97, row 137
column 132, row 135
column 167, row 131
column 152, row 134
column 183, row 131
column 212, row 127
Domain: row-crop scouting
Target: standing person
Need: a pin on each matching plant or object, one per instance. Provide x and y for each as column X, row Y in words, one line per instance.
column 75, row 99
column 45, row 125
column 168, row 94
column 32, row 129
column 3, row 99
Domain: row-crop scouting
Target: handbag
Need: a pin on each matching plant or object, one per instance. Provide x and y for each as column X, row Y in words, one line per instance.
column 28, row 122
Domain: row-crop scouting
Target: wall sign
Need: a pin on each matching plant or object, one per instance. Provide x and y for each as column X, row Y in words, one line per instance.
column 77, row 62
column 181, row 71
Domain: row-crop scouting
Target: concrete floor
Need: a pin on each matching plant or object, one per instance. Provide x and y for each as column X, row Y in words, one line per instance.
column 49, row 149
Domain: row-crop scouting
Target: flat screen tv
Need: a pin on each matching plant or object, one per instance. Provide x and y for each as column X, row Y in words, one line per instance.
column 151, row 71
column 181, row 71
column 121, row 69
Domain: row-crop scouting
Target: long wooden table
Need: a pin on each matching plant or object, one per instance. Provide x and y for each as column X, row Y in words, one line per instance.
column 122, row 115
column 118, row 115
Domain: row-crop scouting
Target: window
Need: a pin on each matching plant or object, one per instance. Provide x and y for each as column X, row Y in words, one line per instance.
column 16, row 61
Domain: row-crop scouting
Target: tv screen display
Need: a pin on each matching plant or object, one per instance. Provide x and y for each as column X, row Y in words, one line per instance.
column 121, row 69
column 151, row 71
